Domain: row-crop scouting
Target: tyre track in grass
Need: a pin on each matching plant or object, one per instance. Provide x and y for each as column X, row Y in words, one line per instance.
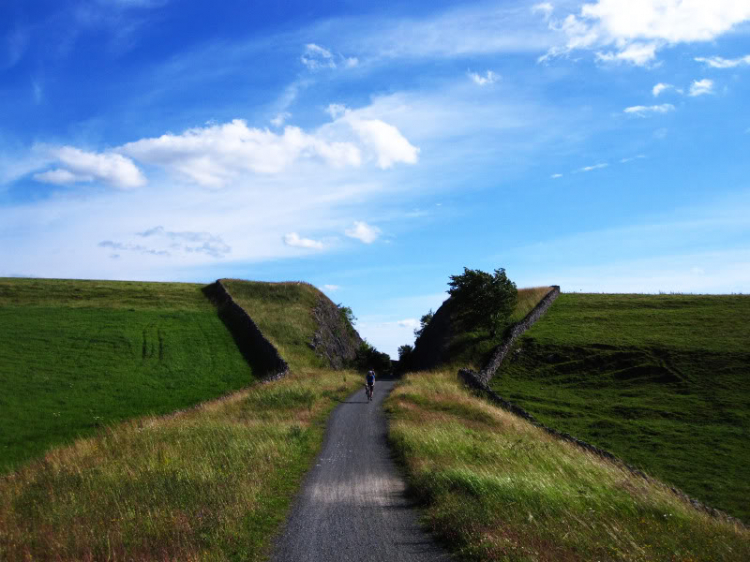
column 352, row 505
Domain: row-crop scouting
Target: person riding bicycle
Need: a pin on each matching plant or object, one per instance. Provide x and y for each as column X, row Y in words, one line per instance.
column 370, row 379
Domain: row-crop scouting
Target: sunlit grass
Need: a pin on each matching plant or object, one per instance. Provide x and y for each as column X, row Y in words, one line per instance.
column 283, row 312
column 78, row 355
column 208, row 484
column 497, row 488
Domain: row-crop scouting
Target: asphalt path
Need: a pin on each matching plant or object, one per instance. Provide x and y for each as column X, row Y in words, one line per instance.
column 352, row 504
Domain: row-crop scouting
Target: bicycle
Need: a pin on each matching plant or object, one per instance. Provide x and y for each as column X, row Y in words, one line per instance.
column 368, row 392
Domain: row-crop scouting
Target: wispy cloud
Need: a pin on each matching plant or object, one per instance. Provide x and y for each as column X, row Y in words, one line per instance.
column 316, row 58
column 701, row 87
column 556, row 176
column 489, row 78
column 363, row 232
column 331, row 288
column 632, row 158
column 190, row 242
column 720, row 62
column 644, row 110
column 594, row 167
column 295, row 240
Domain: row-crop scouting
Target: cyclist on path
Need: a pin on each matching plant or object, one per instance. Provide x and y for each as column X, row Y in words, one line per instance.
column 370, row 383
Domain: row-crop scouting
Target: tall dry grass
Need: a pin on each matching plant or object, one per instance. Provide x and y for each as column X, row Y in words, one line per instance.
column 497, row 488
column 207, row 484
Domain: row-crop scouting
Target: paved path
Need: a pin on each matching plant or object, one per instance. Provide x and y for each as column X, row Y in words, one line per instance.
column 352, row 504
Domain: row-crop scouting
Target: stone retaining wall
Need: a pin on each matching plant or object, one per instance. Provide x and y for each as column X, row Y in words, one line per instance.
column 486, row 374
column 260, row 353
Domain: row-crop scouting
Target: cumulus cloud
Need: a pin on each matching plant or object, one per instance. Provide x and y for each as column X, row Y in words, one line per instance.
column 386, row 141
column 363, row 232
column 112, row 169
column 634, row 30
column 488, row 78
column 295, row 240
column 701, row 87
column 659, row 88
column 214, row 155
column 644, row 110
column 719, row 62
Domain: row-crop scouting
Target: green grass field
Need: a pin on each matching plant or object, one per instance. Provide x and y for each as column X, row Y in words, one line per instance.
column 662, row 381
column 494, row 487
column 79, row 355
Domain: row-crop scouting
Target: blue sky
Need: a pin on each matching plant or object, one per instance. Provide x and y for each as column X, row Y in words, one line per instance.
column 374, row 149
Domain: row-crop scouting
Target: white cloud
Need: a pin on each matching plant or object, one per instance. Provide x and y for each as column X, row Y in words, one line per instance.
column 188, row 241
column 594, row 167
column 659, row 88
column 631, row 158
column 556, row 176
column 411, row 323
column 643, row 110
column 637, row 29
column 389, row 145
column 214, row 155
column 719, row 62
column 701, row 87
column 80, row 166
column 351, row 62
column 488, row 78
column 280, row 118
column 545, row 8
column 293, row 239
column 331, row 288
column 363, row 232
column 316, row 57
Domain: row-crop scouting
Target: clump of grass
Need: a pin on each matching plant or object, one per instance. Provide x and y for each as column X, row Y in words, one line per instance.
column 211, row 483
column 497, row 488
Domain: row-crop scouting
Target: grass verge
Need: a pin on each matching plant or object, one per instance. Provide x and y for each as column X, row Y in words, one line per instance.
column 497, row 488
column 78, row 355
column 662, row 381
column 211, row 483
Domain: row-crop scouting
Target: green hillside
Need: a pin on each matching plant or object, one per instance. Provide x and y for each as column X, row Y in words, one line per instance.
column 663, row 381
column 212, row 483
column 77, row 355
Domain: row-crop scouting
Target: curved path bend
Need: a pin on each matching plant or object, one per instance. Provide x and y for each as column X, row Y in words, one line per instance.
column 352, row 504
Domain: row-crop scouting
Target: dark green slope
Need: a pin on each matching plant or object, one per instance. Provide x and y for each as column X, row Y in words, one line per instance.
column 662, row 381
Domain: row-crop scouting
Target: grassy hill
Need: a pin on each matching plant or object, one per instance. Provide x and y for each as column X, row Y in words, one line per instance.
column 284, row 313
column 210, row 483
column 496, row 487
column 663, row 381
column 78, row 355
